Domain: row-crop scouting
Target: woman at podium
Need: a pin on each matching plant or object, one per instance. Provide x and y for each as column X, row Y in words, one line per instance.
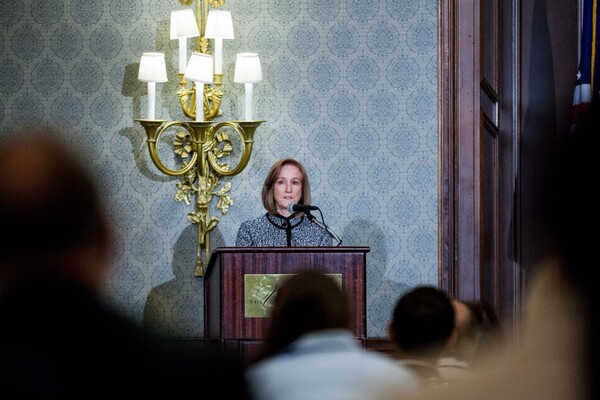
column 286, row 198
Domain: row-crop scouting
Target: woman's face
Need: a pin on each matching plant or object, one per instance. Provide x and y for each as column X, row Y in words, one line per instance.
column 288, row 188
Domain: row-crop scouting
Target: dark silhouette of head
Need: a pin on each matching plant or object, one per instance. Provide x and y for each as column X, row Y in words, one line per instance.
column 422, row 322
column 479, row 332
column 305, row 302
column 50, row 209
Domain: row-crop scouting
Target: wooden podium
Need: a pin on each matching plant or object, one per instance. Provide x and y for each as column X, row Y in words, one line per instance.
column 240, row 282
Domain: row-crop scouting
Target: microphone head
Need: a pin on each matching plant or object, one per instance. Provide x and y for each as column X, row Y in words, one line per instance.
column 296, row 208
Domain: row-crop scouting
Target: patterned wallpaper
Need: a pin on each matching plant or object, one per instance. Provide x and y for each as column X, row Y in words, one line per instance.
column 349, row 88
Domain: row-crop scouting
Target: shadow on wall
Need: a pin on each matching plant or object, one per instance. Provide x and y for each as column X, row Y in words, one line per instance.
column 381, row 291
column 136, row 90
column 175, row 308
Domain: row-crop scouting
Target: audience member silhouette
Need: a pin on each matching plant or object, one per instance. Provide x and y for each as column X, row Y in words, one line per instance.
column 422, row 327
column 479, row 340
column 311, row 352
column 59, row 338
column 487, row 333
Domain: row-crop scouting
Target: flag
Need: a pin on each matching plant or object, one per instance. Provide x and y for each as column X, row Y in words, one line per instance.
column 587, row 85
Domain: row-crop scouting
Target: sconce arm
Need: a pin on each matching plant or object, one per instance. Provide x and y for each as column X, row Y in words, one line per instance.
column 245, row 129
column 153, row 134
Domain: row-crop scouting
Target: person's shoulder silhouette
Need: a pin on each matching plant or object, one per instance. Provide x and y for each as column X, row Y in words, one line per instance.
column 59, row 338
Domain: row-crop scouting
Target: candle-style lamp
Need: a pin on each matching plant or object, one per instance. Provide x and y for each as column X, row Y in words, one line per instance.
column 219, row 26
column 248, row 71
column 200, row 70
column 183, row 26
column 152, row 69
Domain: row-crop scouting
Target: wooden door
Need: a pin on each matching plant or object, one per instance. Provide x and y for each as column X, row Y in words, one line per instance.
column 478, row 153
column 502, row 101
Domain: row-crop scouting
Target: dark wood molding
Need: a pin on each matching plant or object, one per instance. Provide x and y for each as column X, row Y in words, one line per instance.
column 506, row 75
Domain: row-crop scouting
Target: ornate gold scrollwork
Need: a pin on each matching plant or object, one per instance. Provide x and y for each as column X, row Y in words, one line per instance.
column 202, row 145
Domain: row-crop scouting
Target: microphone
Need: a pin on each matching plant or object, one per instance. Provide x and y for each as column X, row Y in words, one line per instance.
column 295, row 208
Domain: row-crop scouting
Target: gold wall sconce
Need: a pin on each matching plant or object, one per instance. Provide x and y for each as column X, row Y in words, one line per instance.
column 202, row 146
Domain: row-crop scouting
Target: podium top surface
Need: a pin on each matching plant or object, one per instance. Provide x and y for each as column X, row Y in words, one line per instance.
column 293, row 249
column 282, row 249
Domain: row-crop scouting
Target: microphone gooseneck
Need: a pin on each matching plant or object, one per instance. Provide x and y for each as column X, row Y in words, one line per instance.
column 331, row 233
column 306, row 209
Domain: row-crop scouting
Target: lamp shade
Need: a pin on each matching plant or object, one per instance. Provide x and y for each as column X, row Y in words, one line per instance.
column 152, row 68
column 183, row 24
column 247, row 68
column 219, row 25
column 200, row 68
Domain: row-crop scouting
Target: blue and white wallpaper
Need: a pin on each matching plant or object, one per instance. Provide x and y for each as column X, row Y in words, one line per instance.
column 349, row 89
